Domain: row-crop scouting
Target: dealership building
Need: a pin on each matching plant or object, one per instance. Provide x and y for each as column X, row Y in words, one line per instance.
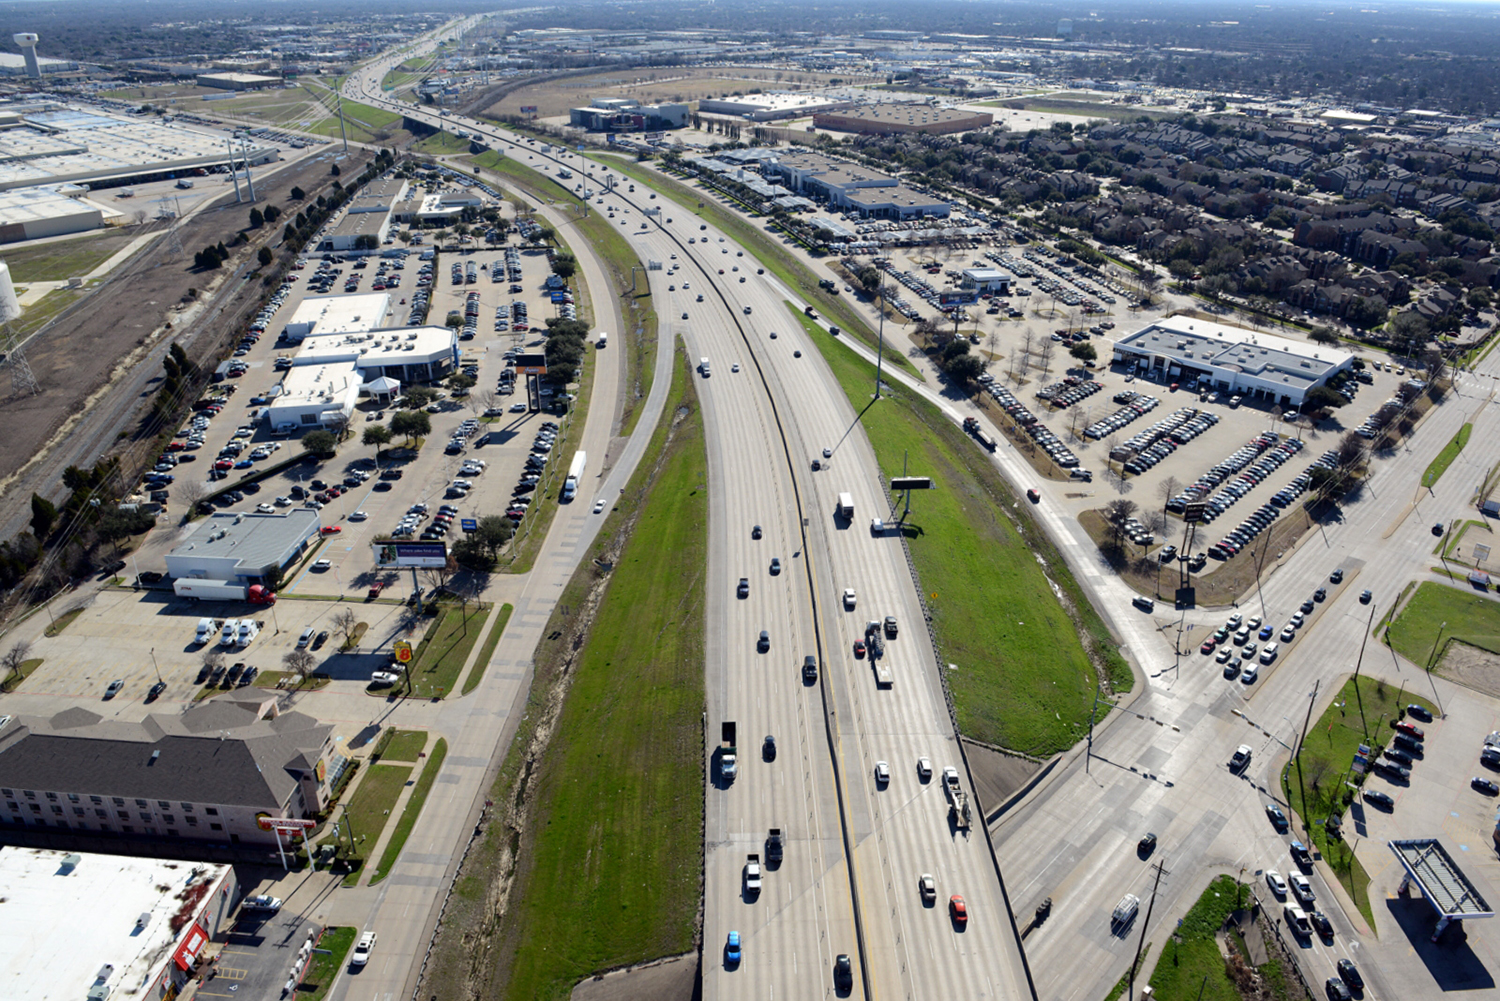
column 1246, row 363
column 624, row 114
column 892, row 119
column 852, row 186
column 243, row 547
column 769, row 107
column 84, row 925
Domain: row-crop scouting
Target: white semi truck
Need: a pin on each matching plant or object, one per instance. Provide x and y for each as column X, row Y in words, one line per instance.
column 575, row 473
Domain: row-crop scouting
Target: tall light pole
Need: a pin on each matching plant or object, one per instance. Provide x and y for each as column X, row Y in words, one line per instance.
column 880, row 346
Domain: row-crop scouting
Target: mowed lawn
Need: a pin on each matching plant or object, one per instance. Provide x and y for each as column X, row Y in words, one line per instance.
column 1458, row 614
column 1022, row 677
column 612, row 875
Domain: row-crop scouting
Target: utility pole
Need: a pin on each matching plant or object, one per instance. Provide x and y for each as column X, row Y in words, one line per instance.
column 1297, row 757
column 1357, row 696
column 1093, row 714
column 880, row 346
column 1145, row 923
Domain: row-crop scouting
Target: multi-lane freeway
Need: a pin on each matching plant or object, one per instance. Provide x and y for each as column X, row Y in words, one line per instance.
column 854, row 847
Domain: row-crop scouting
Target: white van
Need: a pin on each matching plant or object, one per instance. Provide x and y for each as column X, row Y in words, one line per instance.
column 1125, row 910
column 306, row 637
column 703, row 367
column 1268, row 654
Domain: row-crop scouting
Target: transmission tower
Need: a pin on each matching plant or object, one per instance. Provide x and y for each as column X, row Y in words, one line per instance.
column 22, row 379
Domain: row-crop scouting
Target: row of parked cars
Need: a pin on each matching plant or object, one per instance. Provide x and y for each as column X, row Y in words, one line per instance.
column 1039, row 432
column 1070, row 391
column 1252, row 477
column 536, row 464
column 1223, row 470
column 1136, row 405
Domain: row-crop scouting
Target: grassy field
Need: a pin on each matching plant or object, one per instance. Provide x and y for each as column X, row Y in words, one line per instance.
column 404, row 745
column 555, row 97
column 1458, row 614
column 1193, row 954
column 442, row 652
column 487, row 651
column 23, row 671
column 370, row 807
column 40, row 313
column 324, row 969
column 1024, row 680
column 1445, row 458
column 623, row 843
column 411, row 811
column 56, row 262
column 440, row 143
column 1325, row 757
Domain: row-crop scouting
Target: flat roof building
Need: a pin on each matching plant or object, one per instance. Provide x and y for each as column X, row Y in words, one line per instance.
column 407, row 354
column 315, row 395
column 32, row 213
column 242, row 547
column 237, row 81
column 851, row 186
column 338, row 314
column 1231, row 359
column 624, row 114
column 890, row 119
column 86, row 925
column 208, row 773
column 768, row 107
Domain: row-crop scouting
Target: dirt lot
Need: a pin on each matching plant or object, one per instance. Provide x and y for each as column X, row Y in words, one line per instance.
column 1470, row 666
column 102, row 359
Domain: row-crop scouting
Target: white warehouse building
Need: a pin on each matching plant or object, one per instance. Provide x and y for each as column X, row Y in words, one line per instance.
column 1248, row 363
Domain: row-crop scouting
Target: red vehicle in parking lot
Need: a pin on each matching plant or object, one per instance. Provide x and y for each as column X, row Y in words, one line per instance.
column 375, row 589
column 1207, row 647
column 1411, row 729
column 331, row 529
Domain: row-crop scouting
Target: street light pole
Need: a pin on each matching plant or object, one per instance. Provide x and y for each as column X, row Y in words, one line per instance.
column 156, row 665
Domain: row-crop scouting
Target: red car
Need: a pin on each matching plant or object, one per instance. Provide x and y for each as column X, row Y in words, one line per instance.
column 1207, row 647
column 859, row 648
column 1411, row 729
column 1033, row 495
column 331, row 529
column 375, row 589
column 224, row 464
column 176, row 446
column 958, row 910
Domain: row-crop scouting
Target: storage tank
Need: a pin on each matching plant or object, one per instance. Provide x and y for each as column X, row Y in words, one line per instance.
column 10, row 306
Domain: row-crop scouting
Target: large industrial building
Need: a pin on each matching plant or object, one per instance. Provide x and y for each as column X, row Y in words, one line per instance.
column 624, row 114
column 237, row 81
column 769, row 107
column 209, row 773
column 889, row 119
column 1247, row 363
column 852, row 186
column 92, row 926
column 370, row 215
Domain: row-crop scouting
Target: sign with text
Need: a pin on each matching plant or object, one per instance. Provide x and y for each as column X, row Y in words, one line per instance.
column 402, row 651
column 911, row 483
column 468, row 524
column 531, row 364
column 411, row 554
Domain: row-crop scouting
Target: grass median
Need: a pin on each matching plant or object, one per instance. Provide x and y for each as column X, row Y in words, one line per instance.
column 1356, row 716
column 600, row 801
column 444, row 650
column 1191, row 965
column 412, row 810
column 404, row 745
column 476, row 673
column 1028, row 647
column 370, row 808
column 326, row 963
column 1445, row 458
column 1437, row 615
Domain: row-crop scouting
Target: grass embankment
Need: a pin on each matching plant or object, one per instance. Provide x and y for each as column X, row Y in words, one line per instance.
column 1024, row 679
column 1190, row 961
column 487, row 651
column 43, row 311
column 57, row 262
column 323, row 969
column 445, row 648
column 793, row 272
column 1326, row 753
column 1458, row 615
column 440, row 144
column 616, row 826
column 369, row 809
column 61, row 622
column 1445, row 458
column 23, row 671
column 411, row 811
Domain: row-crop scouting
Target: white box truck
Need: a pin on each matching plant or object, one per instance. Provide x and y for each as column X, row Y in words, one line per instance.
column 845, row 507
column 575, row 472
column 603, row 341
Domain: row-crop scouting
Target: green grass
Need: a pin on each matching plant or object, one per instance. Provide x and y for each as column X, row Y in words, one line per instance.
column 404, row 745
column 323, row 970
column 440, row 143
column 442, row 652
column 17, row 677
column 1192, row 953
column 1024, row 680
column 1325, row 758
column 41, row 312
column 411, row 812
column 1456, row 536
column 1471, row 618
column 61, row 622
column 1445, row 458
column 370, row 808
column 619, row 810
column 487, row 651
column 56, row 262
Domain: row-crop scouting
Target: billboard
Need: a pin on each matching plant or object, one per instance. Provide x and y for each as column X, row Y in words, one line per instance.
column 958, row 298
column 410, row 554
column 528, row 109
column 531, row 364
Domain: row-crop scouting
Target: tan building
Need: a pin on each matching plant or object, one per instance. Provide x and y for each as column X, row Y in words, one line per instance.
column 888, row 119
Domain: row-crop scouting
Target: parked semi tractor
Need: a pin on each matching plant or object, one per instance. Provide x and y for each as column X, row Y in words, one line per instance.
column 575, row 473
column 728, row 765
column 222, row 590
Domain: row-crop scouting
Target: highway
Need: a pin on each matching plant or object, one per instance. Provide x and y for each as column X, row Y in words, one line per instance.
column 854, row 851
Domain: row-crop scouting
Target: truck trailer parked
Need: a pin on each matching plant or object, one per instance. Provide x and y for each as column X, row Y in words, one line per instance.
column 222, row 590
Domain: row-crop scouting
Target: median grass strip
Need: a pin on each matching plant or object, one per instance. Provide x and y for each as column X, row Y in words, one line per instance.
column 326, row 963
column 404, row 745
column 599, row 801
column 370, row 808
column 1005, row 610
column 1445, row 458
column 1356, row 716
column 487, row 651
column 61, row 622
column 1190, row 965
column 412, row 810
column 445, row 648
column 1437, row 615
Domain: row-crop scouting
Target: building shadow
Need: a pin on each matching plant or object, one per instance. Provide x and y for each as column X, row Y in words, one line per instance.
column 1452, row 965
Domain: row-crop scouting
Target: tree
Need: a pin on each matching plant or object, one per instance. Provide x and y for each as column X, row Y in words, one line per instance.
column 418, row 397
column 565, row 266
column 461, row 380
column 965, row 368
column 298, row 194
column 493, row 532
column 1351, row 451
column 300, row 663
column 1321, row 397
column 43, row 516
column 1409, row 331
column 377, row 435
column 213, row 657
column 411, row 424
column 190, row 492
column 1116, row 513
column 11, row 662
column 265, row 257
column 544, row 234
column 257, row 220
column 1084, row 352
column 319, row 442
column 338, row 426
column 1168, row 488
column 345, row 621
column 437, row 578
column 1323, row 334
column 334, row 170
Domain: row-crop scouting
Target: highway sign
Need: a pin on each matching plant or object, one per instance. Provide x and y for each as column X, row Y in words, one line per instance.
column 911, row 483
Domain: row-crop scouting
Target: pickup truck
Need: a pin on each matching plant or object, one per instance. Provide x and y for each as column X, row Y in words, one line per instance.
column 728, row 765
column 752, row 873
column 773, row 845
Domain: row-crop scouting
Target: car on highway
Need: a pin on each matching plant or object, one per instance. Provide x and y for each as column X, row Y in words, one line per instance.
column 755, row 532
column 1146, row 845
column 859, row 649
column 732, row 948
column 1322, row 924
column 1232, row 668
column 1337, row 990
column 744, row 588
column 1364, row 597
column 1241, row 757
column 927, row 888
column 843, row 971
column 775, row 565
column 1251, row 673
column 1350, row 973
column 924, row 769
column 1302, row 888
column 1275, row 882
column 768, row 748
column 1224, row 654
column 958, row 910
column 1208, row 647
column 363, row 949
column 849, row 598
column 764, row 642
column 882, row 772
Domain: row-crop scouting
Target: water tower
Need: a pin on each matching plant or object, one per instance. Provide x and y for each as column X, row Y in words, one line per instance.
column 10, row 306
column 27, row 41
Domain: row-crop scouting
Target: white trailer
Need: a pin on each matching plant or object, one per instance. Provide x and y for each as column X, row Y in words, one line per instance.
column 575, row 472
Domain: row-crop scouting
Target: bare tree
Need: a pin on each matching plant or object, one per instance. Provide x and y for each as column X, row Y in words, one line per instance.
column 190, row 492
column 345, row 621
column 300, row 663
column 437, row 578
column 11, row 662
column 1046, row 355
column 1168, row 489
column 1116, row 513
column 484, row 400
column 1155, row 522
column 1351, row 451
